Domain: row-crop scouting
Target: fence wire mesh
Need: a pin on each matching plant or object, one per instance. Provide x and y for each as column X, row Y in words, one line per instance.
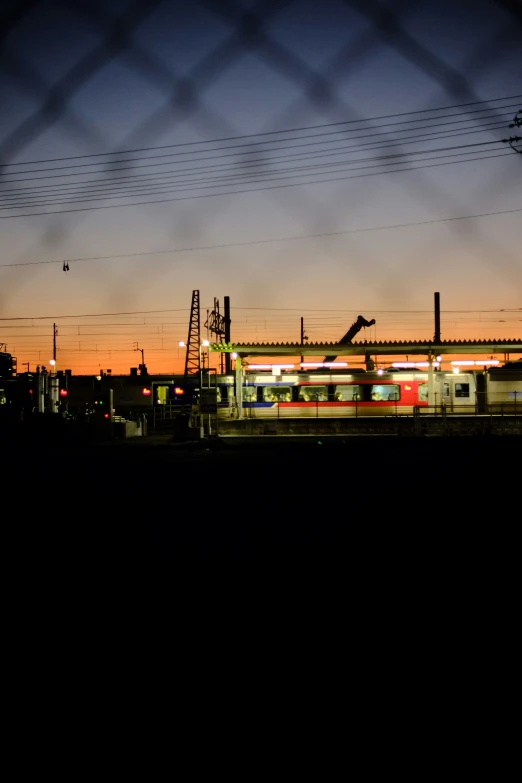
column 133, row 108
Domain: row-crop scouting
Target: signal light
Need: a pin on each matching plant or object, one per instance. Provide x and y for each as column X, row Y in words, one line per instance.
column 63, row 392
column 105, row 415
column 146, row 392
column 177, row 390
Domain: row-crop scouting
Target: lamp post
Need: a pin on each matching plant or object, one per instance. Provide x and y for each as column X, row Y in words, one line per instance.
column 53, row 382
column 201, row 345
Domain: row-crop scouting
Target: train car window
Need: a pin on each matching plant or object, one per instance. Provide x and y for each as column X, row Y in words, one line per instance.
column 462, row 390
column 347, row 393
column 446, row 390
column 3, row 398
column 277, row 393
column 313, row 394
column 423, row 392
column 250, row 394
column 389, row 392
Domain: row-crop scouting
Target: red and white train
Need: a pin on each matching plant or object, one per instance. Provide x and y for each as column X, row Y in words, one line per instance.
column 384, row 393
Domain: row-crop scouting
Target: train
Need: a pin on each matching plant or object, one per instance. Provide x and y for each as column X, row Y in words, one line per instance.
column 290, row 394
column 294, row 394
column 383, row 393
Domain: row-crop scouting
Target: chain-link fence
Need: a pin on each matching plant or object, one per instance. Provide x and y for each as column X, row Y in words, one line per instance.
column 170, row 111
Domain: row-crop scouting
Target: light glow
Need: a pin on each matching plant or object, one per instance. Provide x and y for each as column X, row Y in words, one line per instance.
column 181, row 344
column 324, row 364
column 205, row 343
column 477, row 363
column 413, row 365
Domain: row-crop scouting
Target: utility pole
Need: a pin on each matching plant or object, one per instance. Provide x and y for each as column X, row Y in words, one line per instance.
column 142, row 351
column 227, row 333
column 437, row 319
column 513, row 140
column 55, row 332
column 303, row 336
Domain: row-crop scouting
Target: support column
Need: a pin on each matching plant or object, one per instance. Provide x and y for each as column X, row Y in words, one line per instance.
column 431, row 381
column 239, row 386
column 54, row 382
column 228, row 367
column 41, row 378
column 437, row 319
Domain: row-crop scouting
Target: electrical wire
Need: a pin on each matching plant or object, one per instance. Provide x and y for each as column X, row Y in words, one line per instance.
column 266, row 177
column 496, row 117
column 255, row 242
column 288, row 173
column 270, row 133
column 105, row 184
column 246, row 190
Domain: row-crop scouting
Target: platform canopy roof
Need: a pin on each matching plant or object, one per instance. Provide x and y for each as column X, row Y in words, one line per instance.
column 381, row 348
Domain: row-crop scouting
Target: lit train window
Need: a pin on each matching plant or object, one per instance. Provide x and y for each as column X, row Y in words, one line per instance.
column 347, row 393
column 313, row 394
column 389, row 392
column 462, row 390
column 3, row 398
column 277, row 393
column 423, row 392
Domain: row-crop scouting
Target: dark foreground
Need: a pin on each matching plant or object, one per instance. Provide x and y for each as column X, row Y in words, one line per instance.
column 311, row 501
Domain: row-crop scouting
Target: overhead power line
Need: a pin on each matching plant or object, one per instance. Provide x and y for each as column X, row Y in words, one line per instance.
column 222, row 178
column 102, row 185
column 252, row 242
column 271, row 133
column 495, row 117
column 245, row 190
column 288, row 173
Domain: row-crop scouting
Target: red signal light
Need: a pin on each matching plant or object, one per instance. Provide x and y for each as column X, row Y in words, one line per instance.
column 177, row 390
column 146, row 392
column 63, row 392
column 105, row 415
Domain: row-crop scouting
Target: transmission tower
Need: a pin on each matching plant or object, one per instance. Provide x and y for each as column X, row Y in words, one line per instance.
column 193, row 357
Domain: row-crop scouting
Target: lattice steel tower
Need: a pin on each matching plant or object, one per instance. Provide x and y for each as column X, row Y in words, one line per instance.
column 193, row 357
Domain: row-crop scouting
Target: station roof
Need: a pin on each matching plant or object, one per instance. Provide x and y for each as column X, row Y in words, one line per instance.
column 382, row 348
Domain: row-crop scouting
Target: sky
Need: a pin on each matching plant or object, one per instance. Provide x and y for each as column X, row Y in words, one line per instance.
column 323, row 108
